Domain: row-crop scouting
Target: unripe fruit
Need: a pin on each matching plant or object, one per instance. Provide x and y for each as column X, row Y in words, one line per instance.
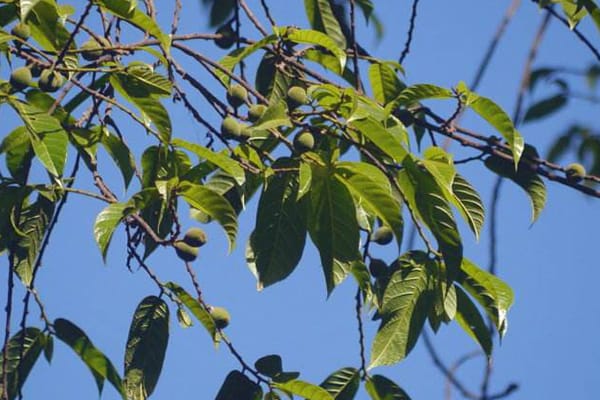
column 296, row 97
column 575, row 172
column 231, row 128
column 304, row 141
column 195, row 237
column 383, row 235
column 256, row 111
column 185, row 251
column 91, row 50
column 377, row 267
column 20, row 78
column 50, row 81
column 220, row 316
column 227, row 38
column 21, row 30
column 236, row 95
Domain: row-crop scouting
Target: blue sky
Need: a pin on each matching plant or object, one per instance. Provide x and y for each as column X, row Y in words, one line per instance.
column 550, row 350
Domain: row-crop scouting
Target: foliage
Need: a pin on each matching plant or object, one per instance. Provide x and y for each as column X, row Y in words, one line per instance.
column 362, row 165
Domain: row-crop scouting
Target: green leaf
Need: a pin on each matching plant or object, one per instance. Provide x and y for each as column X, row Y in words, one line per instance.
column 277, row 243
column 416, row 93
column 385, row 82
column 48, row 138
column 304, row 389
column 106, row 223
column 274, row 117
column 496, row 117
column 593, row 9
column 125, row 9
column 238, row 386
column 33, row 224
column 220, row 160
column 146, row 347
column 23, row 350
column 309, row 36
column 381, row 388
column 545, row 107
column 270, row 81
column 153, row 112
column 238, row 55
column 100, row 366
column 212, row 204
column 469, row 204
column 404, row 310
column 527, row 179
column 495, row 296
column 17, row 146
column 469, row 318
column 270, row 365
column 144, row 74
column 321, row 17
column 333, row 226
column 437, row 215
column 371, row 190
column 201, row 314
column 343, row 383
column 121, row 155
column 376, row 132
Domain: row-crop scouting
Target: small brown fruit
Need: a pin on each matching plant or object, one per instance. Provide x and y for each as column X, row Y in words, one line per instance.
column 256, row 111
column 231, row 128
column 185, row 251
column 195, row 237
column 20, row 78
column 377, row 267
column 383, row 235
column 236, row 95
column 50, row 81
column 296, row 97
column 21, row 30
column 227, row 38
column 575, row 172
column 304, row 141
column 220, row 316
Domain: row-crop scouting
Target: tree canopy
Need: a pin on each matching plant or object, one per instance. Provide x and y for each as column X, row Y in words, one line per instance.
column 329, row 148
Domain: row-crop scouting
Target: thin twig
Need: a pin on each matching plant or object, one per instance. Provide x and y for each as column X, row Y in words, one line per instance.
column 411, row 28
column 355, row 45
column 71, row 38
column 253, row 18
column 263, row 3
column 8, row 313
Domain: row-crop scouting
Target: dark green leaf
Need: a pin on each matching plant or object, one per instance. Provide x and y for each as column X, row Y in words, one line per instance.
column 495, row 296
column 343, row 383
column 146, row 347
column 17, row 146
column 333, row 226
column 23, row 350
column 212, row 204
column 121, row 155
column 100, row 366
column 277, row 243
column 381, row 388
column 469, row 318
column 270, row 365
column 545, row 107
column 238, row 386
column 321, row 18
column 469, row 204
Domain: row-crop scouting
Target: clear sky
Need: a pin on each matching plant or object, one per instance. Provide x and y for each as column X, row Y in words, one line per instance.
column 551, row 349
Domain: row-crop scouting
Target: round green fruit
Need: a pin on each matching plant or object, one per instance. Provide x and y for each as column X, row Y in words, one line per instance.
column 383, row 235
column 185, row 251
column 575, row 172
column 296, row 97
column 256, row 111
column 304, row 141
column 231, row 128
column 195, row 237
column 91, row 50
column 50, row 81
column 220, row 316
column 377, row 267
column 20, row 78
column 236, row 95
column 227, row 38
column 21, row 30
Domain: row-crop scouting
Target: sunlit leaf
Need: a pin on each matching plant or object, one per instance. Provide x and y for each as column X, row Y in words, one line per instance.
column 343, row 383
